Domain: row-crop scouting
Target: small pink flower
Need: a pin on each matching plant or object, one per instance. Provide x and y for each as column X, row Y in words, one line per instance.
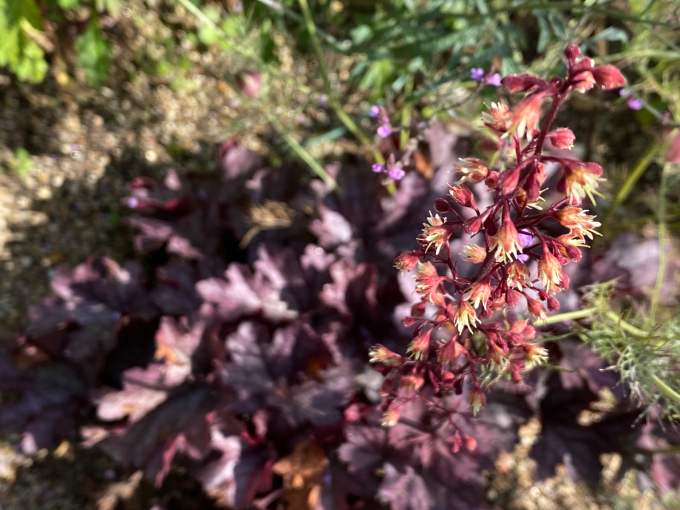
column 477, row 74
column 397, row 173
column 494, row 80
column 384, row 131
column 378, row 168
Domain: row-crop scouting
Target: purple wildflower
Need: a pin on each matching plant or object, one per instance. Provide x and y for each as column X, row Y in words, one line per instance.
column 477, row 73
column 132, row 202
column 374, row 111
column 323, row 99
column 495, row 80
column 524, row 241
column 378, row 168
column 634, row 104
column 397, row 173
column 384, row 131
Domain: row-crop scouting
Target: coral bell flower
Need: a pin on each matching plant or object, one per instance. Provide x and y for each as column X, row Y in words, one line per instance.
column 420, row 345
column 477, row 399
column 407, row 260
column 608, row 76
column 578, row 180
column 536, row 309
column 498, row 117
column 435, row 233
column 474, row 253
column 562, row 138
column 450, row 351
column 526, row 113
column 381, row 354
column 473, row 170
column 465, row 317
column 478, row 293
column 506, row 241
column 427, row 283
column 550, row 272
column 518, row 275
column 578, row 222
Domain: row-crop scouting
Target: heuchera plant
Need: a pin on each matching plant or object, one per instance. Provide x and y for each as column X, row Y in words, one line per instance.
column 466, row 336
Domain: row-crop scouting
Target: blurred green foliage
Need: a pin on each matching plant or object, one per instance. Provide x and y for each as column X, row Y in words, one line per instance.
column 24, row 44
column 20, row 25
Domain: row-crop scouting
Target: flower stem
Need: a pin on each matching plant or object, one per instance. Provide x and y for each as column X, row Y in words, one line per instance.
column 332, row 100
column 577, row 314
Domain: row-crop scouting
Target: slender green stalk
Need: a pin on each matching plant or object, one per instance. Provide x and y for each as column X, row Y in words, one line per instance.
column 277, row 6
column 663, row 231
column 303, row 153
column 406, row 114
column 626, row 326
column 332, row 100
column 666, row 390
column 632, row 178
column 578, row 314
column 240, row 48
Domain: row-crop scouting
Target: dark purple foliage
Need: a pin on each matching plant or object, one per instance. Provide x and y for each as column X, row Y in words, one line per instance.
column 222, row 359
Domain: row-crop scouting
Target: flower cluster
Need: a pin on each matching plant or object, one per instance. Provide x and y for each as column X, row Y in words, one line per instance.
column 468, row 334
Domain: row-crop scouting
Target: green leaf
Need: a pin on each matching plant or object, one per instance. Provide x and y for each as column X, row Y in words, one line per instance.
column 18, row 51
column 94, row 53
column 267, row 42
column 68, row 4
column 611, row 34
column 333, row 134
column 22, row 163
column 208, row 35
column 361, row 34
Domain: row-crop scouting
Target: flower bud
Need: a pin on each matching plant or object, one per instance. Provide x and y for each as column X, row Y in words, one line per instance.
column 474, row 253
column 562, row 138
column 450, row 351
column 536, row 309
column 462, row 196
column 515, row 83
column 407, row 260
column 608, row 76
column 249, row 83
column 391, row 417
column 442, row 205
column 418, row 310
column 571, row 53
column 477, row 399
column 381, row 354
